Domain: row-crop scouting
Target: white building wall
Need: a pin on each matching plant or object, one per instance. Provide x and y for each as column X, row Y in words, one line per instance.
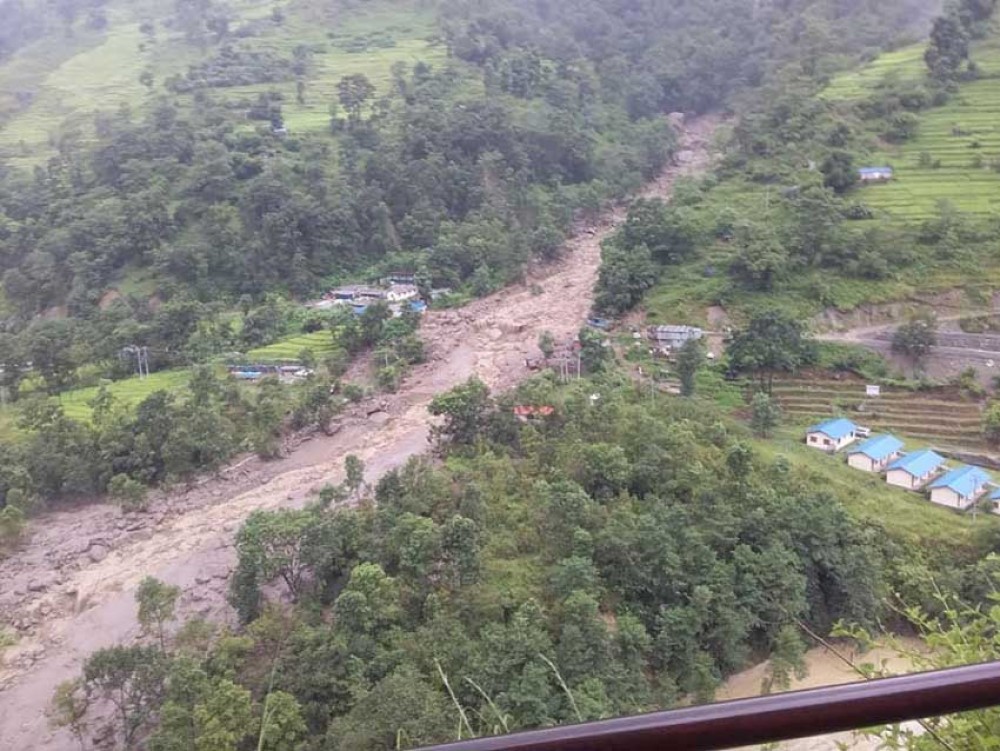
column 862, row 462
column 949, row 498
column 901, row 479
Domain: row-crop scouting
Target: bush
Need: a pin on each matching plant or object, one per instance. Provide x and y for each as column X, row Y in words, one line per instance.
column 127, row 492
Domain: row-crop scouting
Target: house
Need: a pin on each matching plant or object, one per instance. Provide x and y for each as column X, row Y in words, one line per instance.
column 914, row 469
column 960, row 488
column 994, row 499
column 875, row 454
column 832, row 435
column 402, row 292
column 674, row 337
column 875, row 174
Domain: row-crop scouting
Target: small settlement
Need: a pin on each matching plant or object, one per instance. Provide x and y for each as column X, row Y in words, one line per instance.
column 958, row 488
column 875, row 174
column 398, row 291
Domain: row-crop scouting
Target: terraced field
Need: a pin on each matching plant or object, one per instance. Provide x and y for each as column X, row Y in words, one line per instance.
column 97, row 71
column 955, row 156
column 941, row 418
column 320, row 342
column 130, row 392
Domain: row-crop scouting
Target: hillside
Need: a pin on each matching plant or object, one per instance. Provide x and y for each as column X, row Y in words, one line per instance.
column 955, row 154
column 52, row 93
column 786, row 221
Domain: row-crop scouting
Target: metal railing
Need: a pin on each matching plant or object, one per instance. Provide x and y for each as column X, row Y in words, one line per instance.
column 779, row 717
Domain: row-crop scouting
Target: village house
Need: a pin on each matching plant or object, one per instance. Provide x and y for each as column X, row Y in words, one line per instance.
column 832, row 435
column 994, row 499
column 875, row 454
column 674, row 337
column 960, row 488
column 913, row 470
column 875, row 174
column 402, row 292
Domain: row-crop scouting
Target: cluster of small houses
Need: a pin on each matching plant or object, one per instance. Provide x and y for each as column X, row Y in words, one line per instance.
column 398, row 291
column 958, row 488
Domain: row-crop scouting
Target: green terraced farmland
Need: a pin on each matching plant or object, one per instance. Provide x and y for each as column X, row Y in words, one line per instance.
column 130, row 392
column 956, row 153
column 96, row 71
column 320, row 342
column 906, row 63
column 941, row 418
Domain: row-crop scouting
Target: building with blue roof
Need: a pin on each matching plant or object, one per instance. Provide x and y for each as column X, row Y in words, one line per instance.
column 961, row 487
column 913, row 470
column 875, row 174
column 875, row 454
column 832, row 435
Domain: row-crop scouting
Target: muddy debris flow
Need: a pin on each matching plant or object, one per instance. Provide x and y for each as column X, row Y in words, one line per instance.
column 69, row 590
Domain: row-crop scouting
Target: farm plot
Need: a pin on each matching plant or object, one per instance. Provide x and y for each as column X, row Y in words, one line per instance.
column 321, row 343
column 938, row 417
column 131, row 391
column 955, row 156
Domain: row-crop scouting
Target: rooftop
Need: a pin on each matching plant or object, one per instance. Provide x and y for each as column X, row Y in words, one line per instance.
column 879, row 447
column 836, row 428
column 965, row 480
column 918, row 463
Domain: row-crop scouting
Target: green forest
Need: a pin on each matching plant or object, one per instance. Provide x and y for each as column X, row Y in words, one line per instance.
column 618, row 556
column 624, row 551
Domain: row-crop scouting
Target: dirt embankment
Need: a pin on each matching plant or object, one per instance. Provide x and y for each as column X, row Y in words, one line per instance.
column 70, row 590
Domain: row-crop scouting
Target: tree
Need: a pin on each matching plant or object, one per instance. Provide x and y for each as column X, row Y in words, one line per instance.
column 624, row 277
column 282, row 727
column 129, row 493
column 595, row 351
column 547, row 344
column 916, row 337
column 465, row 410
column 354, row 474
column 991, row 423
column 131, row 679
column 765, row 414
column 772, row 342
column 224, row 718
column 838, row 171
column 690, row 360
column 948, row 48
column 69, row 709
column 353, row 92
column 270, row 546
column 157, row 601
column 787, row 661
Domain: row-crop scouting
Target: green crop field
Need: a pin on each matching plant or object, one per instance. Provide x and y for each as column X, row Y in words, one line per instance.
column 955, row 157
column 96, row 71
column 320, row 342
column 129, row 392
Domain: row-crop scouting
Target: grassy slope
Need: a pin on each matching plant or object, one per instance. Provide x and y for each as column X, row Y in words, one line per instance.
column 94, row 71
column 910, row 518
column 916, row 191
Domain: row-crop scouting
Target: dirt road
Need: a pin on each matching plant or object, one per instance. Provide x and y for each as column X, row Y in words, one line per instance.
column 70, row 591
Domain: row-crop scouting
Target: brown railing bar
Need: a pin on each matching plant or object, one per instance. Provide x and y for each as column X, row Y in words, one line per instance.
column 767, row 719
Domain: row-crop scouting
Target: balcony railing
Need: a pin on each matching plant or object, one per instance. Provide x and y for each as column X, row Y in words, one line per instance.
column 767, row 719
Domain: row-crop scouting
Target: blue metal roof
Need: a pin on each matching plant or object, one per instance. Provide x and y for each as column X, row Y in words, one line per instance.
column 995, row 495
column 835, row 429
column 878, row 447
column 918, row 463
column 965, row 480
column 874, row 170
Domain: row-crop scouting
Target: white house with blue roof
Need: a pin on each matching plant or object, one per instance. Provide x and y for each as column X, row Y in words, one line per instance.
column 832, row 435
column 875, row 174
column 913, row 470
column 875, row 454
column 960, row 488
